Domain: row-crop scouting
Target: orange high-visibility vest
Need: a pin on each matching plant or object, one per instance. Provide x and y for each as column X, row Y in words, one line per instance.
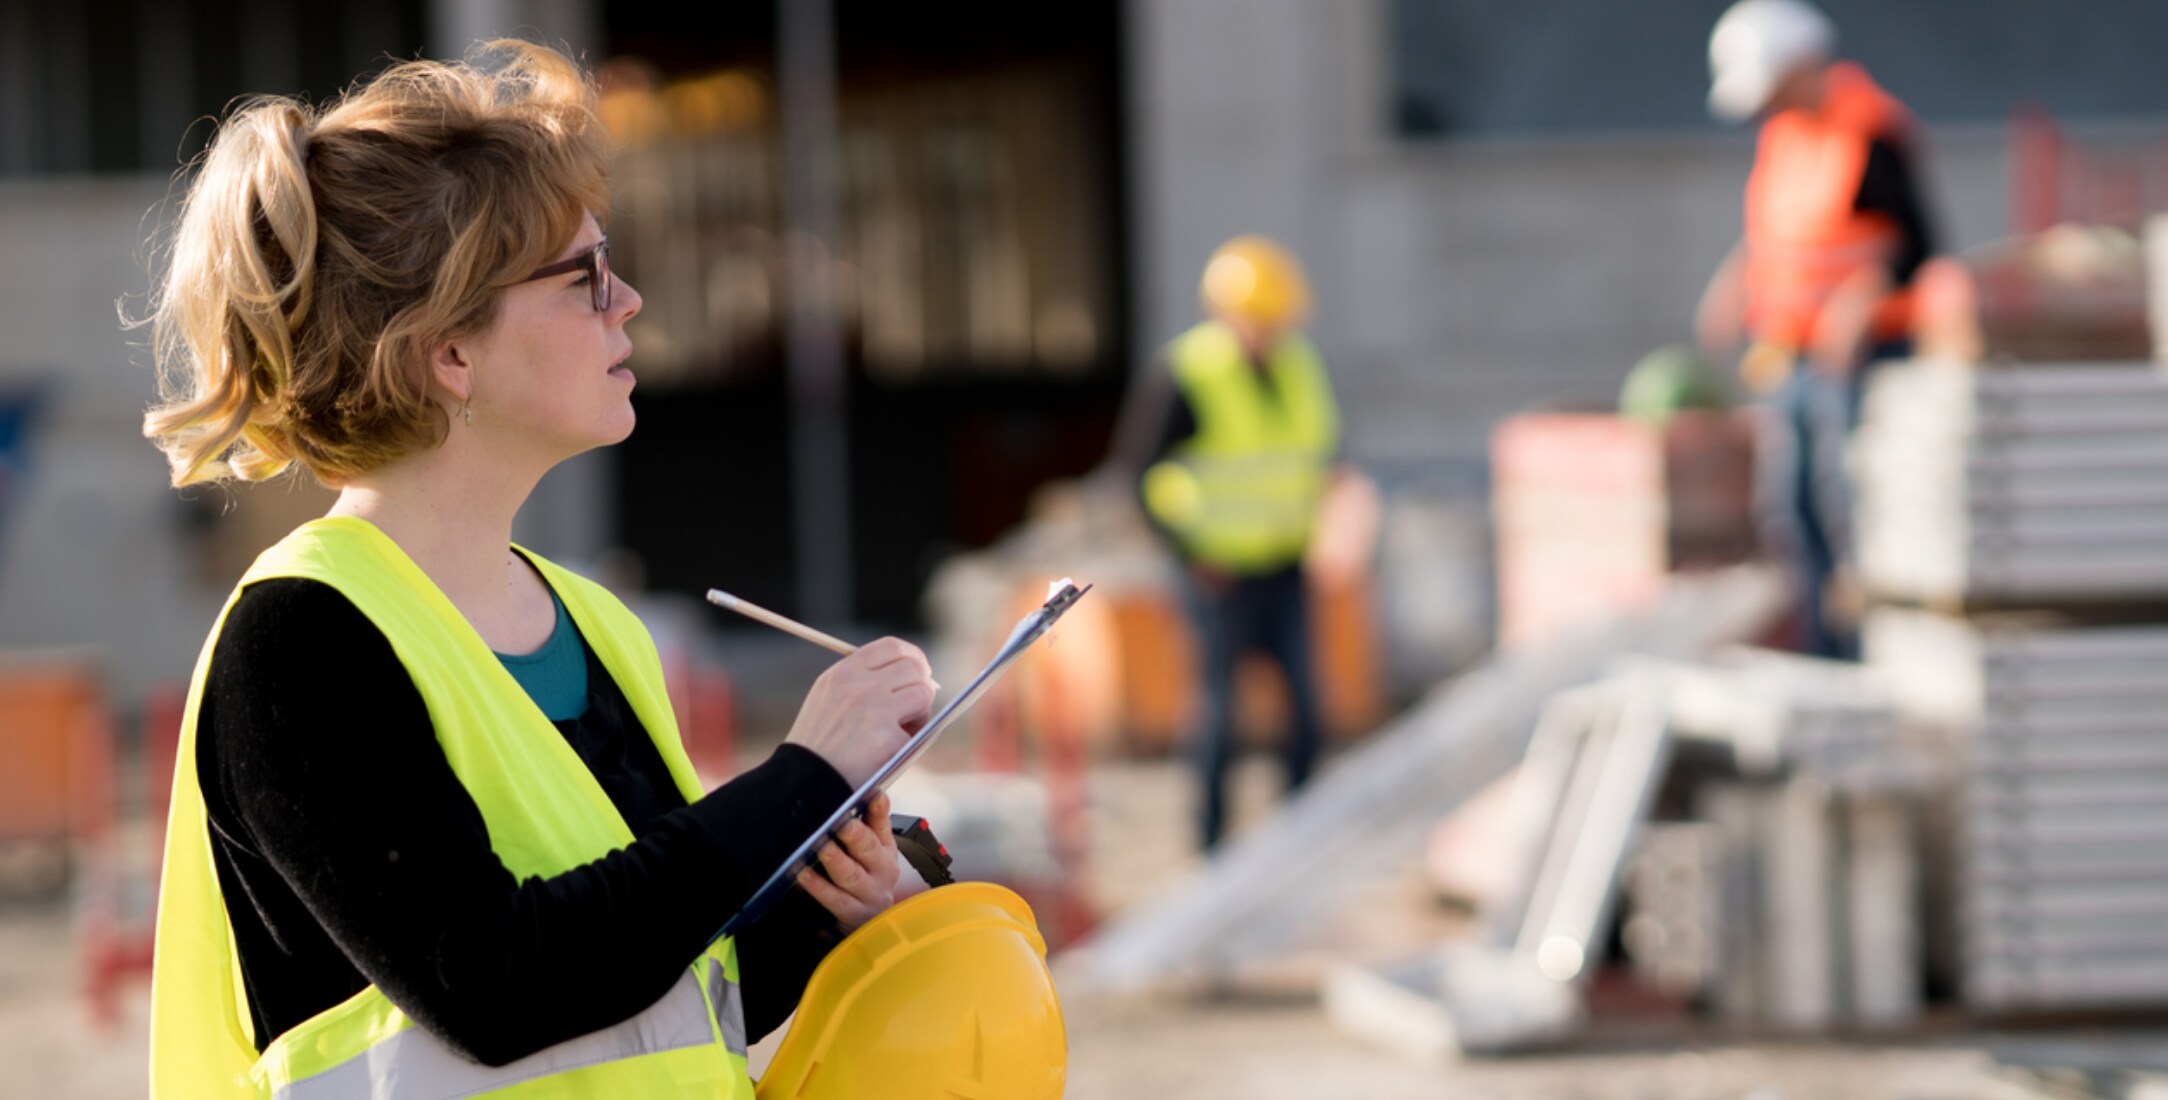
column 1803, row 237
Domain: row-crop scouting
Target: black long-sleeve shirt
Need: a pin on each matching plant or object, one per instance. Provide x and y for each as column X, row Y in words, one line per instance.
column 1889, row 187
column 349, row 854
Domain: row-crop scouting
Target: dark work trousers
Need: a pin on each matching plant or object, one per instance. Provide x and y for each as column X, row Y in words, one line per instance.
column 1269, row 613
column 1806, row 493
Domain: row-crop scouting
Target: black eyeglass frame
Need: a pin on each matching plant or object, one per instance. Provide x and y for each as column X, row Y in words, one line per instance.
column 596, row 262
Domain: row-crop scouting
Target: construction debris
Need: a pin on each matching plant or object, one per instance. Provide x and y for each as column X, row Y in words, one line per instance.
column 1368, row 812
column 1793, row 906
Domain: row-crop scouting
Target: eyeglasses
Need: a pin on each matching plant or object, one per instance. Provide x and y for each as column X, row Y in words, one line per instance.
column 595, row 262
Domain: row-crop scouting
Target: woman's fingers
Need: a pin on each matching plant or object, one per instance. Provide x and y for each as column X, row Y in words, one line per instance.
column 884, row 652
column 877, row 817
column 844, row 871
column 915, row 702
column 902, row 689
column 861, row 877
column 872, row 848
column 861, row 866
column 860, row 709
column 840, row 904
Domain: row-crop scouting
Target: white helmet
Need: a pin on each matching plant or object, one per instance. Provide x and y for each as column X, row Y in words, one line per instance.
column 1756, row 44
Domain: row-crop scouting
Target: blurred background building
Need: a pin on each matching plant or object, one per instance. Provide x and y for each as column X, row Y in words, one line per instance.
column 1499, row 211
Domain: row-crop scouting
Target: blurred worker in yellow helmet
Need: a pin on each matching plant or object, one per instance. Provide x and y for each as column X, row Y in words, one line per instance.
column 1819, row 287
column 1247, row 431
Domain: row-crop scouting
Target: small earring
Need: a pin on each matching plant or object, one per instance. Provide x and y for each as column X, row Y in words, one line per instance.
column 466, row 412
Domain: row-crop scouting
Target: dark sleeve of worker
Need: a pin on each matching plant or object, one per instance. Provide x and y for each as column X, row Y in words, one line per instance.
column 1155, row 419
column 1890, row 187
column 777, row 955
column 1177, row 424
column 323, row 777
column 1159, row 418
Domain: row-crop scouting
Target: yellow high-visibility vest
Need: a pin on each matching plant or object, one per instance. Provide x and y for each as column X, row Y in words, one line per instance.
column 545, row 814
column 1242, row 494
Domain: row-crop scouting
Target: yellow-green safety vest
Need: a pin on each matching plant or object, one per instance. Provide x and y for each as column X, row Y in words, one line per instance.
column 545, row 814
column 1242, row 494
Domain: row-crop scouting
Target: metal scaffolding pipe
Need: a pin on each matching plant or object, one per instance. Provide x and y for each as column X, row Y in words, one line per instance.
column 819, row 448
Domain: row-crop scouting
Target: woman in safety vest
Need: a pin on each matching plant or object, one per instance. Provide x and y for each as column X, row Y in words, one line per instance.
column 433, row 831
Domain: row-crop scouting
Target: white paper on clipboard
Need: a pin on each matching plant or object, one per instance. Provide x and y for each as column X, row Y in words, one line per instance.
column 1028, row 630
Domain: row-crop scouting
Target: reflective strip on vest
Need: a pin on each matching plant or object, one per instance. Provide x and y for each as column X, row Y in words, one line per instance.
column 729, row 1008
column 415, row 1065
column 1270, row 497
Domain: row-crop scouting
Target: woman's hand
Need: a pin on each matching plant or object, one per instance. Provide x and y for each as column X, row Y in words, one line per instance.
column 861, row 869
column 865, row 706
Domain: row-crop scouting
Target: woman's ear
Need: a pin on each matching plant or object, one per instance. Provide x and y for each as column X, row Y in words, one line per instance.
column 453, row 374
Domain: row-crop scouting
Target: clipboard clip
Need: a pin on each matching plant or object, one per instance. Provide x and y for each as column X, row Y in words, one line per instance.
column 1064, row 593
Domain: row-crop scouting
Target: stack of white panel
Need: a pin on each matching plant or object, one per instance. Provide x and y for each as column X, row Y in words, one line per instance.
column 1806, row 894
column 1675, row 885
column 2063, row 834
column 2013, row 486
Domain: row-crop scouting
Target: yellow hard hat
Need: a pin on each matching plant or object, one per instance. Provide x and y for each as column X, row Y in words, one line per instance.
column 944, row 995
column 1253, row 279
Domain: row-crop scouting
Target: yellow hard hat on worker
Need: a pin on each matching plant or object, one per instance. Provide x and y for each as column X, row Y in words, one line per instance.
column 942, row 996
column 1251, row 279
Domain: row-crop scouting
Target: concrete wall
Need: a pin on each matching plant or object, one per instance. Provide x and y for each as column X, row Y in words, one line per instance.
column 98, row 551
column 456, row 25
column 92, row 551
column 1456, row 282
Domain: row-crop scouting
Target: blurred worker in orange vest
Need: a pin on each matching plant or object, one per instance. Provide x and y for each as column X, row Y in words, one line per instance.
column 1821, row 281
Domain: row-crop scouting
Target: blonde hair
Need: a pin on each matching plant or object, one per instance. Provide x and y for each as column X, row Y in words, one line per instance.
column 322, row 253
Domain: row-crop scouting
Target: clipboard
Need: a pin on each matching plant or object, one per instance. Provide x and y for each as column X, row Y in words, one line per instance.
column 1029, row 629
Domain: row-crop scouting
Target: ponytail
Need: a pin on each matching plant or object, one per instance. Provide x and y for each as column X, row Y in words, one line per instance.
column 239, row 285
